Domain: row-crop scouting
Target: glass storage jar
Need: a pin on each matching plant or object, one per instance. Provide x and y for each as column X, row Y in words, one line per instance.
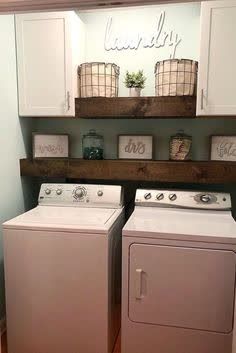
column 93, row 145
column 181, row 147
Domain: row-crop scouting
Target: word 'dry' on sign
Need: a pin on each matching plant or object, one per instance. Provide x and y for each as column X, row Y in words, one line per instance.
column 135, row 147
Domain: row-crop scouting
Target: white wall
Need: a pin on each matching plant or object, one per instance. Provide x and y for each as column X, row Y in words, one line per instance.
column 12, row 135
column 182, row 19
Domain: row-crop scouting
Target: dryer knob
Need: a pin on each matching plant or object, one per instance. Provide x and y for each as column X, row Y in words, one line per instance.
column 172, row 197
column 205, row 198
column 47, row 191
column 148, row 196
column 160, row 197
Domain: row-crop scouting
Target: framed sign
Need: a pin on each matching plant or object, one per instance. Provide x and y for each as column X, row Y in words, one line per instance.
column 50, row 146
column 135, row 147
column 223, row 148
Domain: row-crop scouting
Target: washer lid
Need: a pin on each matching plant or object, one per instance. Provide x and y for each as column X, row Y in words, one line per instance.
column 181, row 224
column 98, row 220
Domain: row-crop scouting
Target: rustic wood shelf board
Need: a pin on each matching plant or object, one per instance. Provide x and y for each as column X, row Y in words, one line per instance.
column 140, row 107
column 153, row 171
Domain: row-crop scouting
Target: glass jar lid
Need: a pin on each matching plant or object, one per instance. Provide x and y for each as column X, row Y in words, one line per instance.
column 181, row 135
column 92, row 133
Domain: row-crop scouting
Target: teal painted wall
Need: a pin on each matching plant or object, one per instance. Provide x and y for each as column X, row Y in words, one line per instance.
column 14, row 139
column 161, row 129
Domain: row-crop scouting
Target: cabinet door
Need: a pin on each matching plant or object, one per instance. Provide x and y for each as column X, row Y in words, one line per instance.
column 217, row 71
column 44, row 60
column 182, row 287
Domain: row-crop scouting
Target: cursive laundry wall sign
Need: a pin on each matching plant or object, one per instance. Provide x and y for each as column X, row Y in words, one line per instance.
column 223, row 148
column 160, row 37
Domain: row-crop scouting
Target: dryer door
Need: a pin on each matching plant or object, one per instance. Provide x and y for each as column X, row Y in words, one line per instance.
column 182, row 287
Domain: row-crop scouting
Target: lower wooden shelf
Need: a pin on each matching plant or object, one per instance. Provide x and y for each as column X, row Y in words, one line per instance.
column 127, row 170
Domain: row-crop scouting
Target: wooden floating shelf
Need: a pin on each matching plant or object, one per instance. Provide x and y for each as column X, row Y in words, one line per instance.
column 129, row 170
column 135, row 108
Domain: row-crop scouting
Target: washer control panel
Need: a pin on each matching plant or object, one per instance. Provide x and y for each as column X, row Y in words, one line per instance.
column 183, row 199
column 110, row 196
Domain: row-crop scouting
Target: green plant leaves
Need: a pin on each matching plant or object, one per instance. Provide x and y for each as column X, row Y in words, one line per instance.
column 135, row 79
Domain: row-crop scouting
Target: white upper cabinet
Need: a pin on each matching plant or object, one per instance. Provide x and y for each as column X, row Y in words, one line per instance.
column 217, row 71
column 46, row 63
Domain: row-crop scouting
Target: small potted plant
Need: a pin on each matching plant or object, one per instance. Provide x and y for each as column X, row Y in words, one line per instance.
column 135, row 81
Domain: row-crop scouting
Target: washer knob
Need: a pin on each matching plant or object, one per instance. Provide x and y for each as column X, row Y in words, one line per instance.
column 47, row 191
column 148, row 196
column 160, row 197
column 205, row 198
column 100, row 193
column 79, row 193
column 172, row 197
column 59, row 191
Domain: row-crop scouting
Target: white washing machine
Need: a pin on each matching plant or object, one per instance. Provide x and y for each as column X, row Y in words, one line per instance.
column 63, row 271
column 179, row 263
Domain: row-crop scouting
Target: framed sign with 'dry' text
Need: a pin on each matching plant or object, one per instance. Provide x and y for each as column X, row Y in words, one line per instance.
column 223, row 148
column 135, row 147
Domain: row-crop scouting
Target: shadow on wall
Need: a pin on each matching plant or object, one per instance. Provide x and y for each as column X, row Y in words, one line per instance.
column 30, row 189
column 2, row 291
column 26, row 126
column 233, row 195
column 30, row 186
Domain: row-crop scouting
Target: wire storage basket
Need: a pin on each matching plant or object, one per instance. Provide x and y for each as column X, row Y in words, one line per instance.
column 176, row 77
column 98, row 79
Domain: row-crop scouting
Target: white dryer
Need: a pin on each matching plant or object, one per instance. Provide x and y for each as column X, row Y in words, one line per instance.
column 62, row 270
column 179, row 274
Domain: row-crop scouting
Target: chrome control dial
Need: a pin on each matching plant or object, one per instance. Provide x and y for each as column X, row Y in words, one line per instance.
column 59, row 191
column 160, row 196
column 172, row 197
column 100, row 193
column 148, row 196
column 205, row 198
column 79, row 193
column 47, row 191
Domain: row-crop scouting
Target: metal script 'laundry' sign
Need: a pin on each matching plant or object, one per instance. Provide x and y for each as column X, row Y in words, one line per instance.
column 159, row 38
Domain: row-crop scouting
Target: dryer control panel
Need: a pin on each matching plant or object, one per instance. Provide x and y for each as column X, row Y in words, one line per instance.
column 84, row 195
column 183, row 199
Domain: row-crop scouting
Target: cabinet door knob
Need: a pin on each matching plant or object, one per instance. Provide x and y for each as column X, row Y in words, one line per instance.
column 68, row 100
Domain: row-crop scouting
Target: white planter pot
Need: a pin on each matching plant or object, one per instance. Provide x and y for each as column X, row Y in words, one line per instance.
column 135, row 92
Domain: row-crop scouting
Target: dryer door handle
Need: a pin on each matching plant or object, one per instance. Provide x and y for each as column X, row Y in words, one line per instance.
column 138, row 283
